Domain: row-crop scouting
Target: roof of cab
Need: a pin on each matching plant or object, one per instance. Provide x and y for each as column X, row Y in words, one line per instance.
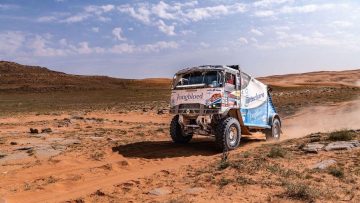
column 230, row 68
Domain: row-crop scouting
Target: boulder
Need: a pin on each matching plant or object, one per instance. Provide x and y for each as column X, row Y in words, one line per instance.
column 313, row 147
column 46, row 130
column 160, row 191
column 324, row 164
column 34, row 131
column 195, row 190
column 342, row 145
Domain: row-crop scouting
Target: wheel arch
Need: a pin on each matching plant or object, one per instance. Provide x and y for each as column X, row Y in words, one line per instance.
column 273, row 117
column 235, row 113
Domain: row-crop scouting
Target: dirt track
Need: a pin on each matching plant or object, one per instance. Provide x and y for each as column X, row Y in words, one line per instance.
column 106, row 160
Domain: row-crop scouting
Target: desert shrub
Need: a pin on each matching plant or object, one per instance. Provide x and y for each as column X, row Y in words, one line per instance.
column 300, row 191
column 246, row 154
column 224, row 181
column 244, row 180
column 336, row 172
column 341, row 135
column 141, row 134
column 97, row 155
column 160, row 130
column 223, row 164
column 276, row 152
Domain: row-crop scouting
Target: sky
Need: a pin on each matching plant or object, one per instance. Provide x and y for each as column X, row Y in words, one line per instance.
column 147, row 39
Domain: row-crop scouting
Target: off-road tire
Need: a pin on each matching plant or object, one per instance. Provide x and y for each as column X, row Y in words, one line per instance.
column 222, row 134
column 176, row 132
column 275, row 131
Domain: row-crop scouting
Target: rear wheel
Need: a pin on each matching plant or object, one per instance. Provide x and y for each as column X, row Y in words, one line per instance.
column 177, row 133
column 275, row 131
column 228, row 134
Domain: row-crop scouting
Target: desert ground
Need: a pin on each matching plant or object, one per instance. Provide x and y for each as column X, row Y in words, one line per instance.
column 67, row 138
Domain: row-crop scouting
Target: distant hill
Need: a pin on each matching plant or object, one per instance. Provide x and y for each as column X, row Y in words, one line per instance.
column 17, row 77
column 319, row 78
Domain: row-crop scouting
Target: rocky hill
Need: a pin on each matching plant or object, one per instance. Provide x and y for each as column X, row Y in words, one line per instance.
column 17, row 77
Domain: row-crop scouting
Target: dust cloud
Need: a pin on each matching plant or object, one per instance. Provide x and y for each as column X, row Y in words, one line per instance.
column 323, row 119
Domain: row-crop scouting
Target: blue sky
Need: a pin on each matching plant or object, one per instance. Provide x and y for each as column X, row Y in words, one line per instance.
column 141, row 39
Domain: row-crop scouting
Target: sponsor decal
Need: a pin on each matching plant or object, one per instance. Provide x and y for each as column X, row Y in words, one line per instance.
column 190, row 96
column 254, row 98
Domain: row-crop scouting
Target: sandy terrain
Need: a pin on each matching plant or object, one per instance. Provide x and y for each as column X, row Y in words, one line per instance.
column 105, row 150
column 104, row 139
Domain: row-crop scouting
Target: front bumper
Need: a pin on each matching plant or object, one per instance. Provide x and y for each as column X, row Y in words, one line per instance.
column 193, row 109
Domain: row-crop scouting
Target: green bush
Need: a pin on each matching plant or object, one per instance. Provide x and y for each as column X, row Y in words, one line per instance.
column 336, row 172
column 300, row 191
column 276, row 152
column 341, row 135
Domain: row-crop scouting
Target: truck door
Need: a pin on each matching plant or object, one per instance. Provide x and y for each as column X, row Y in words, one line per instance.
column 230, row 90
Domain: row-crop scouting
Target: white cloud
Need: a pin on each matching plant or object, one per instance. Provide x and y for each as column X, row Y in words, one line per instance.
column 142, row 13
column 98, row 10
column 243, row 41
column 269, row 3
column 117, row 32
column 84, row 48
column 309, row 8
column 147, row 48
column 264, row 13
column 158, row 46
column 256, row 32
column 285, row 40
column 45, row 19
column 167, row 29
column 40, row 47
column 8, row 6
column 204, row 45
column 76, row 18
column 122, row 48
column 11, row 41
column 342, row 24
column 95, row 29
column 161, row 9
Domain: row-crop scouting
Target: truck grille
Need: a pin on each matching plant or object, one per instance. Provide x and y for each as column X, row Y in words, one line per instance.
column 189, row 106
column 193, row 109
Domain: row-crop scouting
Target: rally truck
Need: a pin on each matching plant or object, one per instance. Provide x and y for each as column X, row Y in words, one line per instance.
column 221, row 101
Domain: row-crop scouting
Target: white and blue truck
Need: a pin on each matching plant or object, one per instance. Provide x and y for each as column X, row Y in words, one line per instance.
column 221, row 101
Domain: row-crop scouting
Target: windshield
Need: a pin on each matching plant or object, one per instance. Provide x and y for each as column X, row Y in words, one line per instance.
column 198, row 79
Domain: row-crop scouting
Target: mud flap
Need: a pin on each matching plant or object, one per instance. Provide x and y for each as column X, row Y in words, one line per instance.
column 237, row 114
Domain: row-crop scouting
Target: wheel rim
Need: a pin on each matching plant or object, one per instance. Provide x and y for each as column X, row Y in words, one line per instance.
column 276, row 131
column 233, row 135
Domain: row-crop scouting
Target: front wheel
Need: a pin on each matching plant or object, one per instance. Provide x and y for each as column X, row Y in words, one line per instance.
column 177, row 133
column 275, row 131
column 228, row 134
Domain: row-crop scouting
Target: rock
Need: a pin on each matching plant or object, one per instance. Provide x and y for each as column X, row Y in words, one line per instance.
column 195, row 190
column 324, row 164
column 34, row 131
column 313, row 147
column 77, row 117
column 160, row 191
column 24, row 148
column 96, row 138
column 123, row 163
column 46, row 130
column 70, row 142
column 160, row 111
column 13, row 143
column 342, row 145
column 46, row 153
column 2, row 155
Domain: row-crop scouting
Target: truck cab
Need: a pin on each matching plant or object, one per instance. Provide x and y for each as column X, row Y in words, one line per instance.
column 221, row 101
